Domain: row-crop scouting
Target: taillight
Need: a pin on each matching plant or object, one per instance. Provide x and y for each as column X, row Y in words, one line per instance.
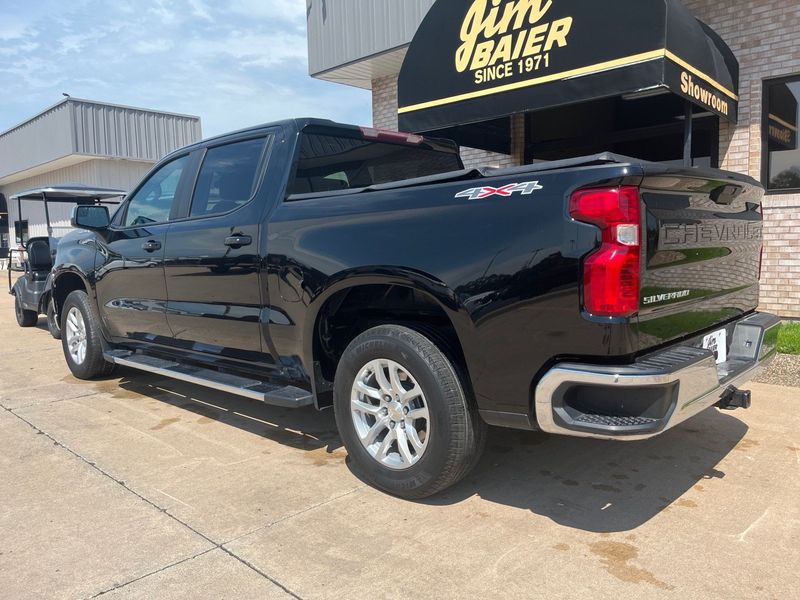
column 611, row 274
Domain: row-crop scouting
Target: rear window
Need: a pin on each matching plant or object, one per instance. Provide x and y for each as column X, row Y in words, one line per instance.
column 330, row 163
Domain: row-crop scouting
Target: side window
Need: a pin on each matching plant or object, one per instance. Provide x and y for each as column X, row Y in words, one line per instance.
column 153, row 202
column 227, row 178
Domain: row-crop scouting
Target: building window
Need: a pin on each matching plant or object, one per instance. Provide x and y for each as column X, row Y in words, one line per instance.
column 781, row 152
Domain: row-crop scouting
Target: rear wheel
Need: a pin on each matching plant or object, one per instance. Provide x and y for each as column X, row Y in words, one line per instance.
column 25, row 318
column 403, row 414
column 53, row 326
column 81, row 338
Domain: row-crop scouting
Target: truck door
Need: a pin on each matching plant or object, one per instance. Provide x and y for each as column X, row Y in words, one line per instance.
column 212, row 260
column 131, row 290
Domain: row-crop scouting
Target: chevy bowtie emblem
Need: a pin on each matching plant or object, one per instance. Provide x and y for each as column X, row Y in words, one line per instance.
column 526, row 189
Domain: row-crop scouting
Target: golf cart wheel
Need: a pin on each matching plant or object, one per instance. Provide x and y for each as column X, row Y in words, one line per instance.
column 25, row 318
column 53, row 326
column 81, row 338
column 404, row 415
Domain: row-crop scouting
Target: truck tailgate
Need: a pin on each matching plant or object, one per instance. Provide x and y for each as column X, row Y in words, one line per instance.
column 702, row 253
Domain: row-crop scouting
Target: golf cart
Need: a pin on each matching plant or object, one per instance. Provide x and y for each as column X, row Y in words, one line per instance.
column 35, row 255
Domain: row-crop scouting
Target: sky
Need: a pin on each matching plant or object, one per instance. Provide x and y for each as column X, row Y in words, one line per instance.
column 235, row 63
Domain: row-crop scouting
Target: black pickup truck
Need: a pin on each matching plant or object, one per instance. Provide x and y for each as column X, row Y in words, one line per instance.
column 310, row 263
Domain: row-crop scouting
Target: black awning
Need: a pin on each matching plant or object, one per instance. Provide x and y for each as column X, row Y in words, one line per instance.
column 472, row 61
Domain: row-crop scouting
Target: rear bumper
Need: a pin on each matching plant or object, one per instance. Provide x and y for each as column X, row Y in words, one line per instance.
column 657, row 392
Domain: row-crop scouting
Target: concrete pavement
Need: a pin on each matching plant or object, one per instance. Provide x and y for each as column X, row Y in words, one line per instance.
column 140, row 487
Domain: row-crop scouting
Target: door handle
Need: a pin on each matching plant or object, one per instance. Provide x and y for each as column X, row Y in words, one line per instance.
column 237, row 241
column 151, row 246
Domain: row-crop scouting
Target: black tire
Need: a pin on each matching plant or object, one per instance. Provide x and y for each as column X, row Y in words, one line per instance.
column 458, row 433
column 53, row 326
column 25, row 318
column 93, row 365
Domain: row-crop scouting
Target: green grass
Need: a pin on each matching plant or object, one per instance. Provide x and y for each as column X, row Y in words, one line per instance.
column 789, row 338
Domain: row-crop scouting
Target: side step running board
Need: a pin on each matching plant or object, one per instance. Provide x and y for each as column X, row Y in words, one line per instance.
column 276, row 395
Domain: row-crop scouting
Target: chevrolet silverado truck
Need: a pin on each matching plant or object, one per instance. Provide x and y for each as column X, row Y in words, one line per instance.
column 307, row 263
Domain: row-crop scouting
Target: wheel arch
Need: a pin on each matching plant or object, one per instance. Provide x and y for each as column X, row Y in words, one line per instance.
column 64, row 283
column 445, row 311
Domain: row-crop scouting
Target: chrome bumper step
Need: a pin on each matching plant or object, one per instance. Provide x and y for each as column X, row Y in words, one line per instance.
column 269, row 393
column 657, row 392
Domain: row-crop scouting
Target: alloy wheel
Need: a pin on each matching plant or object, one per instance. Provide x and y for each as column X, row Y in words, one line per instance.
column 390, row 414
column 76, row 335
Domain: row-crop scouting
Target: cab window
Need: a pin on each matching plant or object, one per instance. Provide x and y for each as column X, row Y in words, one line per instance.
column 152, row 203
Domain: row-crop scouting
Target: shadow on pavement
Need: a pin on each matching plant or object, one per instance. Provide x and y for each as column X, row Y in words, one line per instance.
column 304, row 428
column 591, row 485
column 600, row 486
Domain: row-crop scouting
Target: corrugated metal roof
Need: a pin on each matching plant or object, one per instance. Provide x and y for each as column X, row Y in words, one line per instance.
column 93, row 129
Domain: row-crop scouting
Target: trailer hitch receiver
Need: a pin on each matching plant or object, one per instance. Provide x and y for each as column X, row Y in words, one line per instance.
column 734, row 398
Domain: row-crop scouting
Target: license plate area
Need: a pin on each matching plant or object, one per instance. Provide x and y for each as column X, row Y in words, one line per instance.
column 717, row 342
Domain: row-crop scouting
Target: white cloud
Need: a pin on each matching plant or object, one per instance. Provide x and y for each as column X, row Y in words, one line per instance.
column 13, row 28
column 152, row 46
column 18, row 47
column 163, row 11
column 233, row 67
column 200, row 10
column 291, row 10
column 251, row 48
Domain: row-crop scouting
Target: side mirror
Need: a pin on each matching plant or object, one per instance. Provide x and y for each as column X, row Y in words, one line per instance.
column 90, row 217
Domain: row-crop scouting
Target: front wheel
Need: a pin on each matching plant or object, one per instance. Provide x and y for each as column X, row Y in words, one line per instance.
column 403, row 413
column 81, row 338
column 25, row 318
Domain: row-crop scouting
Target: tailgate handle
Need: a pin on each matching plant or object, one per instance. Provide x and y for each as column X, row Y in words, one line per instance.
column 237, row 241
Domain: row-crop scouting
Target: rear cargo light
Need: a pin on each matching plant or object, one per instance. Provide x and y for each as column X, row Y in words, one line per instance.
column 611, row 274
column 391, row 136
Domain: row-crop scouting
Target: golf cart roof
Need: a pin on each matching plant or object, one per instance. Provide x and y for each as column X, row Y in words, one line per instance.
column 71, row 192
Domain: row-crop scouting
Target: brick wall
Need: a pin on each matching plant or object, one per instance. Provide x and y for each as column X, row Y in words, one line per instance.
column 384, row 116
column 384, row 102
column 764, row 37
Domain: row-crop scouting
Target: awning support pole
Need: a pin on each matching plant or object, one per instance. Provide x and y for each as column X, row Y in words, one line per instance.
column 687, row 134
column 47, row 215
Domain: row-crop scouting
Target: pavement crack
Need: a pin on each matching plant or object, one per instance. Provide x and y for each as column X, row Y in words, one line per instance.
column 51, row 402
column 260, row 572
column 215, row 545
column 164, row 568
column 295, row 514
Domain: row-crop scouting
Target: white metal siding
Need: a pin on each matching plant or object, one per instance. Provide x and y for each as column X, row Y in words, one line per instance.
column 82, row 127
column 343, row 31
column 106, row 130
column 44, row 138
column 119, row 174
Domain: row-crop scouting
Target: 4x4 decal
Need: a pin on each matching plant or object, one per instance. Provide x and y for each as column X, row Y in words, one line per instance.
column 526, row 189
